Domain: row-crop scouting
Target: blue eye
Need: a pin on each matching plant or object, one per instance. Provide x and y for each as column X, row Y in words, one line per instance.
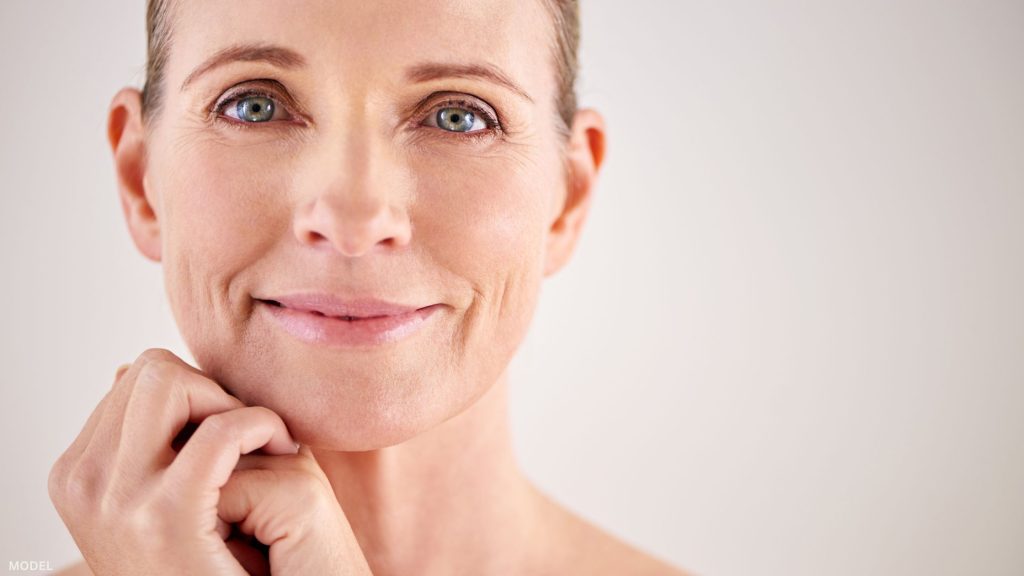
column 463, row 117
column 253, row 108
column 456, row 119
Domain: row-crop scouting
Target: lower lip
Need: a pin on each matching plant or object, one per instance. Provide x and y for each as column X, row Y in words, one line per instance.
column 325, row 330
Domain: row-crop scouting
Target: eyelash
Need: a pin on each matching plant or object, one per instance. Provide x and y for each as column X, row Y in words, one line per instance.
column 494, row 126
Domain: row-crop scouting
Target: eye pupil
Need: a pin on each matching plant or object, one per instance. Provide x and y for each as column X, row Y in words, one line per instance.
column 455, row 119
column 255, row 109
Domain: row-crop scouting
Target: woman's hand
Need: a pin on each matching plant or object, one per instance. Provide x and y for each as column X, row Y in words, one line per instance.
column 287, row 503
column 135, row 504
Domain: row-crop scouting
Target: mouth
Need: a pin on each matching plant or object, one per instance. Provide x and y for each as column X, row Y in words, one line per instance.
column 347, row 318
column 349, row 308
column 329, row 321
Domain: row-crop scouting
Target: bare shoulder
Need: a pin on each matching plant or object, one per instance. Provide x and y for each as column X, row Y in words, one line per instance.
column 606, row 554
column 580, row 547
column 79, row 568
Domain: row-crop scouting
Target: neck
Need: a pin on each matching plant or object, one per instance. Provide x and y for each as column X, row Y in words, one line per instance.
column 451, row 500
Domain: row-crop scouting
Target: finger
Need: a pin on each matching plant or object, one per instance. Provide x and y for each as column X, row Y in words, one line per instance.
column 301, row 462
column 166, row 395
column 79, row 444
column 256, row 461
column 121, row 370
column 295, row 461
column 107, row 434
column 270, row 504
column 223, row 529
column 243, row 491
column 206, row 461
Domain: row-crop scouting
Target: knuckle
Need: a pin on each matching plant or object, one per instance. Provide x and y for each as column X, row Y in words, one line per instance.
column 154, row 354
column 121, row 370
column 152, row 375
column 57, row 478
column 152, row 370
column 78, row 487
column 73, row 492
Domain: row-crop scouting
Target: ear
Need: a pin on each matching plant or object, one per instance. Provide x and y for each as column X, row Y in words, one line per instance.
column 126, row 135
column 584, row 156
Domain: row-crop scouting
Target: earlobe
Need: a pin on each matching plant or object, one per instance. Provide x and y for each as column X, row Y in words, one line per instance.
column 126, row 135
column 585, row 154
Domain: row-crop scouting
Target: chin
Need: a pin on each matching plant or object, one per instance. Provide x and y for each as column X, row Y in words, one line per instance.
column 351, row 431
column 344, row 406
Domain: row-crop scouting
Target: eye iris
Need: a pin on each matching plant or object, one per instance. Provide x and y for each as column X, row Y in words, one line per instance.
column 455, row 119
column 255, row 109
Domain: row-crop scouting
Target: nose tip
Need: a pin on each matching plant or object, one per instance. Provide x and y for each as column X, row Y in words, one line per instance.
column 352, row 230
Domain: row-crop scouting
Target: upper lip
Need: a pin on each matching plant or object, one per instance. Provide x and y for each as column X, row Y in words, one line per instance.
column 331, row 305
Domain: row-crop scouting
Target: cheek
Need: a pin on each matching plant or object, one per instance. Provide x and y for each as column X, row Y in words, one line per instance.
column 219, row 215
column 484, row 220
column 219, row 203
column 483, row 216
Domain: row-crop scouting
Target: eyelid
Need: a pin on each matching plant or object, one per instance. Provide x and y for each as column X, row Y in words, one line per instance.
column 244, row 90
column 461, row 101
column 494, row 128
column 445, row 99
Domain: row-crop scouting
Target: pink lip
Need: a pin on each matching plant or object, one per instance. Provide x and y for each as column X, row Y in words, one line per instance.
column 325, row 319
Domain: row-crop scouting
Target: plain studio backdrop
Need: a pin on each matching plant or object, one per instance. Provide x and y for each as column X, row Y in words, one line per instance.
column 791, row 341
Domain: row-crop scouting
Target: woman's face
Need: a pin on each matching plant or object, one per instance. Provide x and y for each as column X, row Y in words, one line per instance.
column 352, row 185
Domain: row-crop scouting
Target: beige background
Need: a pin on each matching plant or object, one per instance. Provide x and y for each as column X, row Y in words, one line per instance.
column 791, row 342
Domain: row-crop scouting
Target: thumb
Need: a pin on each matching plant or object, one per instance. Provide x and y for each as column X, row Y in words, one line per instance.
column 254, row 499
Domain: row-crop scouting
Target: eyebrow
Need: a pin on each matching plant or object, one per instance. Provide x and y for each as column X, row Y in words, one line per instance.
column 287, row 58
column 275, row 55
column 433, row 70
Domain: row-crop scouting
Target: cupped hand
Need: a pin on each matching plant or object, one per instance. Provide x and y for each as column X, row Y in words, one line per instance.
column 286, row 503
column 137, row 504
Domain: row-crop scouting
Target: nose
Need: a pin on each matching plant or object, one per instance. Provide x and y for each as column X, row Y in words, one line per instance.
column 353, row 205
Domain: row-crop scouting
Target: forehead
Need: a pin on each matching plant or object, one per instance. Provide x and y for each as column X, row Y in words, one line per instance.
column 361, row 37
